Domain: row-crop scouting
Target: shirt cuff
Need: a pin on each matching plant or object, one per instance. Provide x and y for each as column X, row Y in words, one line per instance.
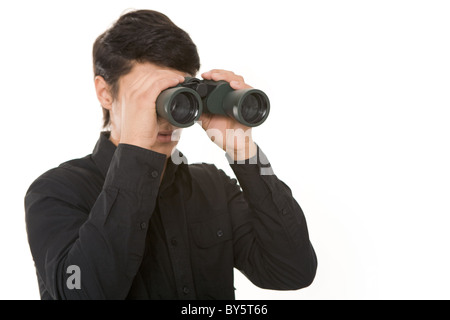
column 253, row 175
column 135, row 169
column 256, row 164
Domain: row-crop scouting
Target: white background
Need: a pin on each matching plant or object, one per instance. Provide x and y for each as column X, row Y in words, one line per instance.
column 359, row 126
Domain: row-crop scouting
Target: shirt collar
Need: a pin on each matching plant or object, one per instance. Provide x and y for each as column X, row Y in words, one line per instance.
column 104, row 151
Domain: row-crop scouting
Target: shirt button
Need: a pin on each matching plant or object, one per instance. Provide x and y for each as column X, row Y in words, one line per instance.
column 186, row 290
column 284, row 212
column 219, row 233
column 143, row 225
column 154, row 174
column 174, row 242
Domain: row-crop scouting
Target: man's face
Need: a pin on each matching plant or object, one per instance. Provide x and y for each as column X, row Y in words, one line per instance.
column 168, row 135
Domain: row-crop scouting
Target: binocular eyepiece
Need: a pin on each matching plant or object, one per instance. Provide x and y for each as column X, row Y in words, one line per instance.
column 183, row 105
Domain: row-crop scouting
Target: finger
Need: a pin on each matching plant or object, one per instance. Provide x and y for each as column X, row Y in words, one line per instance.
column 171, row 75
column 206, row 75
column 215, row 74
column 165, row 83
column 158, row 80
column 151, row 92
column 236, row 81
column 230, row 77
column 218, row 75
column 238, row 85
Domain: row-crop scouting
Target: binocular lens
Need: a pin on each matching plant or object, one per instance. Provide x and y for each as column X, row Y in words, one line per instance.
column 254, row 108
column 184, row 108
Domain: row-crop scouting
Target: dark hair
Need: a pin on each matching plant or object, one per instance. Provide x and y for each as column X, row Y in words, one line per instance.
column 142, row 36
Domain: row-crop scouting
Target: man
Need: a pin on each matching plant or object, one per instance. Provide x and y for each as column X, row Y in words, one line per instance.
column 127, row 222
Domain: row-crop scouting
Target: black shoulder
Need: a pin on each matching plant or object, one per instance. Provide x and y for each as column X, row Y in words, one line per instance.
column 76, row 181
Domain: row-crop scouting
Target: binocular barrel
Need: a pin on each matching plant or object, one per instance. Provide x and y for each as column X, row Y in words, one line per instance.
column 183, row 105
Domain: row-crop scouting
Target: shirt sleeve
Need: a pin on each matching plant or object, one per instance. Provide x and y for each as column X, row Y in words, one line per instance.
column 271, row 241
column 107, row 242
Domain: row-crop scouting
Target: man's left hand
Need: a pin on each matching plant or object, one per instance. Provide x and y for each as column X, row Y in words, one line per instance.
column 230, row 135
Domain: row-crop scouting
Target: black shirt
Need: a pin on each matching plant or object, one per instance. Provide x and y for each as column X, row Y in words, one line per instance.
column 133, row 236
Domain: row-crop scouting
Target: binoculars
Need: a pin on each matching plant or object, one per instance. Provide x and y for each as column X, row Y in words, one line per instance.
column 183, row 105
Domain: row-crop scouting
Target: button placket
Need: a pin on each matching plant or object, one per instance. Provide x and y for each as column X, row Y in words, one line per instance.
column 178, row 251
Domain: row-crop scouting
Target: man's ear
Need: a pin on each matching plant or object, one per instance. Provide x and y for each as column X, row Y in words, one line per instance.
column 103, row 92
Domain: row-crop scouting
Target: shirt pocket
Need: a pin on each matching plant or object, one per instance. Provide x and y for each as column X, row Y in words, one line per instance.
column 213, row 231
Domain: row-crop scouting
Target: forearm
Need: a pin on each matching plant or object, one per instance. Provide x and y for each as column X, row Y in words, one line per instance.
column 279, row 227
column 106, row 243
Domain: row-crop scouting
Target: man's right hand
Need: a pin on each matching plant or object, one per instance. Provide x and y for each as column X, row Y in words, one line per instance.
column 138, row 91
